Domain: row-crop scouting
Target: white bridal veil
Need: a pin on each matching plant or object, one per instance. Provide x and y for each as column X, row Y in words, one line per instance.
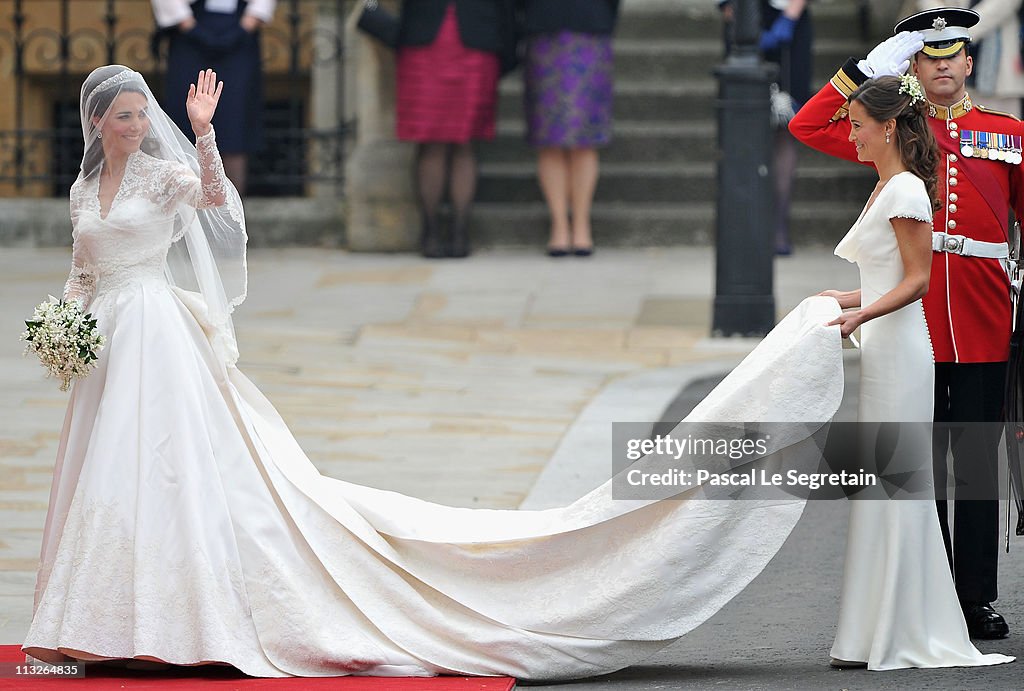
column 206, row 262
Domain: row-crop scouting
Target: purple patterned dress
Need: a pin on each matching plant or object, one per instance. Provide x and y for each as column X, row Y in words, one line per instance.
column 568, row 90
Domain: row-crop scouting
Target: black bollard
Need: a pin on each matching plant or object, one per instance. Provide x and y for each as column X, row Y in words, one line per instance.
column 745, row 246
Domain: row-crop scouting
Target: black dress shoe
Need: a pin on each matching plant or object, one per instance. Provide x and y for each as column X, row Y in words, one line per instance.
column 836, row 663
column 431, row 243
column 558, row 251
column 984, row 622
column 459, row 246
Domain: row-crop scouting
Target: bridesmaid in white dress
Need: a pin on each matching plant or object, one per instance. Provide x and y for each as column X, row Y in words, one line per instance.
column 899, row 607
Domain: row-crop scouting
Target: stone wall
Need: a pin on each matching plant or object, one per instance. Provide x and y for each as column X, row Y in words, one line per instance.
column 380, row 211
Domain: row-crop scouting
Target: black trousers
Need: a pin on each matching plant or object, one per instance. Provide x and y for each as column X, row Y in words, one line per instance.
column 971, row 392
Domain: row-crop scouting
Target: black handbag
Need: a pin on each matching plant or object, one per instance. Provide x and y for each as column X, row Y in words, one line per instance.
column 378, row 23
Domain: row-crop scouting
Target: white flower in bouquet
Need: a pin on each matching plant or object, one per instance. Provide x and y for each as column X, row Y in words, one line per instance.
column 64, row 338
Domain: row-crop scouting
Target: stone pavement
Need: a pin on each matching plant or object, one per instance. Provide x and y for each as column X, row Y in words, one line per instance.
column 487, row 382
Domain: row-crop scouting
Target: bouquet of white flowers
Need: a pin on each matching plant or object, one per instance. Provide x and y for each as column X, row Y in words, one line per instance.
column 64, row 338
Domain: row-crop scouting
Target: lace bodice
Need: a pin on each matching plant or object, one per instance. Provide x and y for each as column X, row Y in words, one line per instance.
column 130, row 243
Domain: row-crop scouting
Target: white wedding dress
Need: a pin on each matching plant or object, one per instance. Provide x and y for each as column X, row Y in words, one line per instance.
column 899, row 607
column 186, row 525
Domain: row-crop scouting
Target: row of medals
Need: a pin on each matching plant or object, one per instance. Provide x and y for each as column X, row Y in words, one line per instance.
column 992, row 145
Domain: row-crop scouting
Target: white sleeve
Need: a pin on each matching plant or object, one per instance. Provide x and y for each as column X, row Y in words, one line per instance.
column 170, row 12
column 911, row 200
column 262, row 9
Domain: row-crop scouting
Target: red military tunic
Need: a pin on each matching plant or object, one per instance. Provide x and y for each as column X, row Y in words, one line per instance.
column 967, row 306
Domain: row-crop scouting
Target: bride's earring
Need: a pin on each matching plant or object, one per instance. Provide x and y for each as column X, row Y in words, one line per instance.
column 888, row 135
column 100, row 136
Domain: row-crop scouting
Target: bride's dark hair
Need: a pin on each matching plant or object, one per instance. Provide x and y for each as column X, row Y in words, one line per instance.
column 919, row 151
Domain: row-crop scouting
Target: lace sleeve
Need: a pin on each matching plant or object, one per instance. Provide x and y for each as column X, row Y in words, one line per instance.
column 211, row 188
column 81, row 283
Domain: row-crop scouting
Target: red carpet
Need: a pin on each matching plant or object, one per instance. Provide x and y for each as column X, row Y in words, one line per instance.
column 229, row 679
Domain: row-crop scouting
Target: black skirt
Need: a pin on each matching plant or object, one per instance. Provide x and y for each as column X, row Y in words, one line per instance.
column 219, row 42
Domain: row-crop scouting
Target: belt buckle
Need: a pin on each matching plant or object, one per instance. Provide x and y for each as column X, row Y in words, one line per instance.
column 953, row 244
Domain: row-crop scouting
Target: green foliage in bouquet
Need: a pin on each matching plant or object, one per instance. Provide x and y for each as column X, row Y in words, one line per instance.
column 66, row 340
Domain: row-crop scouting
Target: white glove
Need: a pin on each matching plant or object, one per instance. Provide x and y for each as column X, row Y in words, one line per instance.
column 892, row 56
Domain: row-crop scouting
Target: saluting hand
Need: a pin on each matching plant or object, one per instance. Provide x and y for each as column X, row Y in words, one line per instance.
column 202, row 101
column 893, row 55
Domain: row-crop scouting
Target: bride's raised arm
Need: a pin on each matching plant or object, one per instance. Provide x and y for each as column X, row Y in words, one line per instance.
column 211, row 187
column 201, row 104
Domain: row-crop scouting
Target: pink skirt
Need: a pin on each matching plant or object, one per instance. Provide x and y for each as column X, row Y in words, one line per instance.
column 446, row 91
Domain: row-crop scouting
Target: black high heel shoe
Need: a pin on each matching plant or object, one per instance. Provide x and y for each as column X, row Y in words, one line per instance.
column 460, row 240
column 431, row 245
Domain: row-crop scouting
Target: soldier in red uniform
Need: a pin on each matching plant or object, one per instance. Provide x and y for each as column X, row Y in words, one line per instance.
column 967, row 306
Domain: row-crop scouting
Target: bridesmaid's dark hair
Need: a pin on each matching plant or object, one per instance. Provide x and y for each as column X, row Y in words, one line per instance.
column 919, row 151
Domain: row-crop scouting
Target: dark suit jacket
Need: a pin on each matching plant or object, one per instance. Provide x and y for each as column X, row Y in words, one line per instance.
column 580, row 16
column 487, row 25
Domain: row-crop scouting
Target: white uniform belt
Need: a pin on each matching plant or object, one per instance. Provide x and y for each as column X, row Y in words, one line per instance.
column 958, row 244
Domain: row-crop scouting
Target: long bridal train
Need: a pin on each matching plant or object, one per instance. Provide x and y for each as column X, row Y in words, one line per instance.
column 202, row 533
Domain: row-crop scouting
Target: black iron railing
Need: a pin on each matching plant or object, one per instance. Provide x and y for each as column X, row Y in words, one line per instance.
column 48, row 46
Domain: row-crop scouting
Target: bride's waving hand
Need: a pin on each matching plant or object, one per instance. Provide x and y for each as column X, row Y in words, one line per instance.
column 202, row 100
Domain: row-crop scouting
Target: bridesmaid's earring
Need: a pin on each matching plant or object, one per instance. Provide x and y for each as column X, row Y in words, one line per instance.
column 99, row 135
column 887, row 136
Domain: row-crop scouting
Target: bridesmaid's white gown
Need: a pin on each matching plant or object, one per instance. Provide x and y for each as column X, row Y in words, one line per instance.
column 899, row 607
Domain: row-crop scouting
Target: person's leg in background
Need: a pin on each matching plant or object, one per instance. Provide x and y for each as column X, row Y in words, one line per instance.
column 553, row 174
column 431, row 178
column 583, row 170
column 976, row 396
column 462, row 192
column 785, row 153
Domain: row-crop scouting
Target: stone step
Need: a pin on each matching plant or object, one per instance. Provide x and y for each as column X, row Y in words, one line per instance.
column 841, row 18
column 681, row 100
column 683, row 23
column 647, row 142
column 685, row 142
column 649, row 225
column 43, row 223
column 642, row 183
column 641, row 60
column 270, row 222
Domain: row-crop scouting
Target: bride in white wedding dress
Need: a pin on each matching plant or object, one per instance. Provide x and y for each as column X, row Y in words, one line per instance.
column 186, row 525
